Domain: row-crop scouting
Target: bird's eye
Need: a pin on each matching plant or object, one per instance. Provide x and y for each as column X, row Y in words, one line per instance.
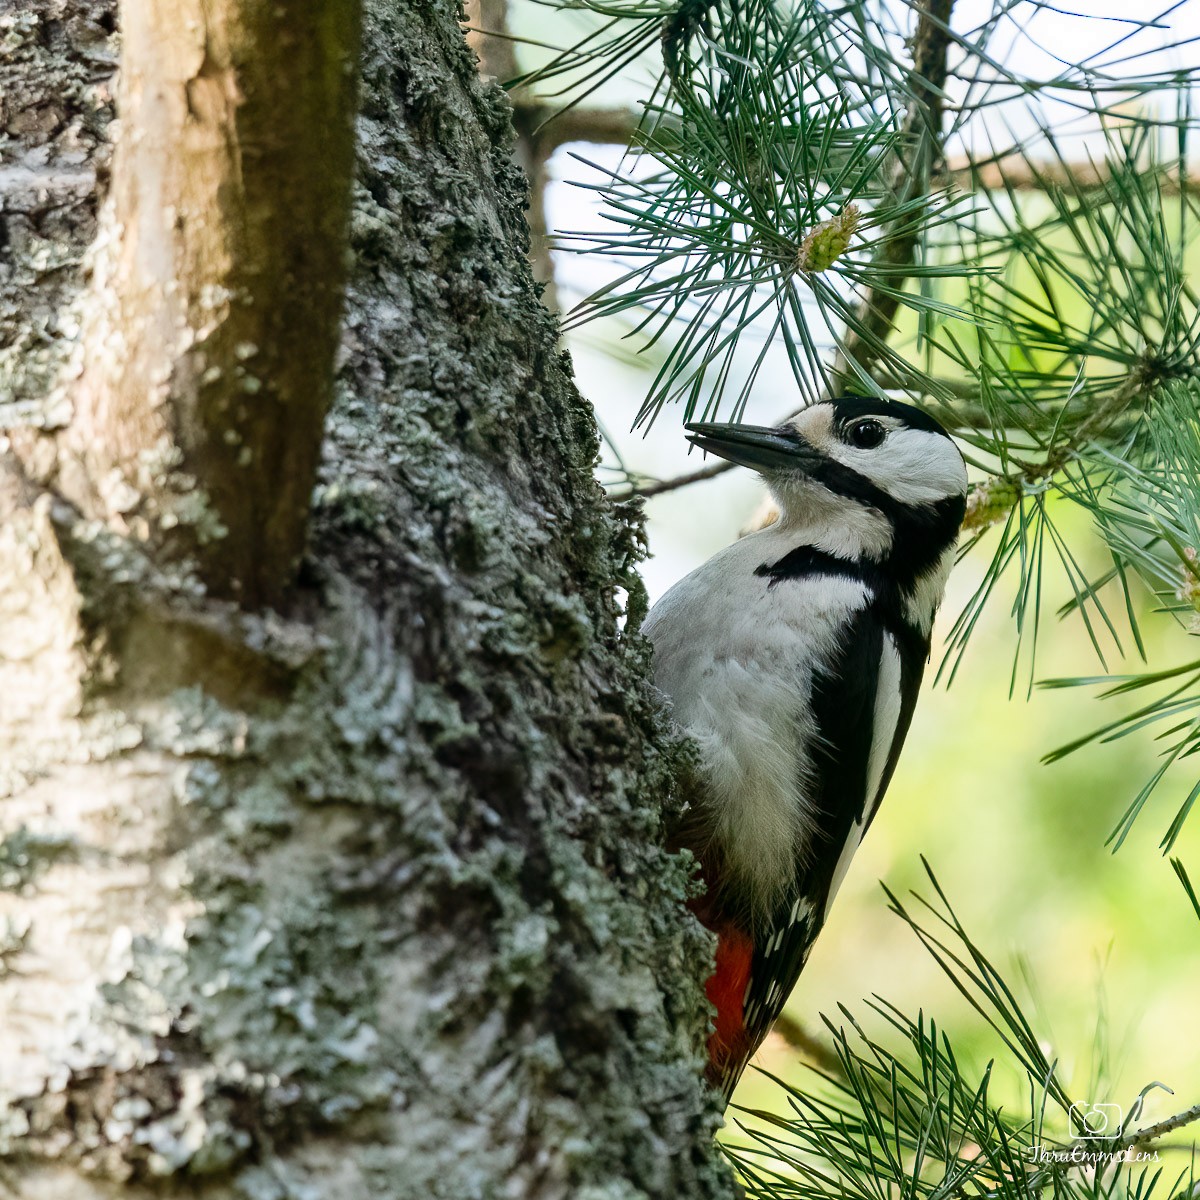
column 866, row 435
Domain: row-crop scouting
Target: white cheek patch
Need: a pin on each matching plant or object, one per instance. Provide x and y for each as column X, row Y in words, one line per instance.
column 912, row 466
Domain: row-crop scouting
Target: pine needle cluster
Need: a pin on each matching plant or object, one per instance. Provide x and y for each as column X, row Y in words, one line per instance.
column 877, row 191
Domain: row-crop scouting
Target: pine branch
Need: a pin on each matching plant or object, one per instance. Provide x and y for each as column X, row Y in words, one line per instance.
column 902, row 1111
column 1151, row 1133
column 919, row 154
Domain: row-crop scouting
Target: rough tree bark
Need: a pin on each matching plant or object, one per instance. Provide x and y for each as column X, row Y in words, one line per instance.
column 344, row 880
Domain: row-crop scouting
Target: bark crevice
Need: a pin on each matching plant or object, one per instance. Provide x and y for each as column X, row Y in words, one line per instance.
column 369, row 899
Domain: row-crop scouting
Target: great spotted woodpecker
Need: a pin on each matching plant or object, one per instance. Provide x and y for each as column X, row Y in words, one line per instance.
column 793, row 658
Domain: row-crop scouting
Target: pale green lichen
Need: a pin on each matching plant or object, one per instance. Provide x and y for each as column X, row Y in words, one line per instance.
column 25, row 854
column 398, row 920
column 53, row 124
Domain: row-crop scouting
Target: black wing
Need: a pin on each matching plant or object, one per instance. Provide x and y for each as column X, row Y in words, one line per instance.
column 878, row 654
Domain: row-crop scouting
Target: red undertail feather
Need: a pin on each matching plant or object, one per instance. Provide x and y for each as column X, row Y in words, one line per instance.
column 726, row 990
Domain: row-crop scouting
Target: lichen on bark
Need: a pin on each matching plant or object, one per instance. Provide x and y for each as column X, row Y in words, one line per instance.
column 56, row 105
column 364, row 895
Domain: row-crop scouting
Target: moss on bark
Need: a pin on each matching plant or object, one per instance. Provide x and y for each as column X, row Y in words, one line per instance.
column 364, row 897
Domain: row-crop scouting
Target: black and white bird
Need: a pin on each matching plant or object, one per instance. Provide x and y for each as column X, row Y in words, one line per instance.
column 793, row 658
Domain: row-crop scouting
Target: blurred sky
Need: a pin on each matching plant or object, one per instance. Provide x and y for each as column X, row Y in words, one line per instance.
column 1109, row 940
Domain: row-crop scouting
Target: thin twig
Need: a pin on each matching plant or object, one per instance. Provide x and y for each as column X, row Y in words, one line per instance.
column 605, row 126
column 973, row 417
column 810, row 1047
column 661, row 486
column 920, row 138
column 1151, row 1133
column 617, row 126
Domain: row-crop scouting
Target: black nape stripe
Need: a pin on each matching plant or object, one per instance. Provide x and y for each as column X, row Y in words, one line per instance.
column 921, row 534
column 806, row 561
column 883, row 587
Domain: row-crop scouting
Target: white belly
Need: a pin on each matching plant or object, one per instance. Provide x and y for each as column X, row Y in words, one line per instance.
column 736, row 658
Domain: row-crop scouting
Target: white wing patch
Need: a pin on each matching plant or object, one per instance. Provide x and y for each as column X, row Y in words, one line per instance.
column 888, row 701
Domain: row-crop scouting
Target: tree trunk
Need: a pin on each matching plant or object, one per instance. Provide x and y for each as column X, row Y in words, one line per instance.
column 360, row 894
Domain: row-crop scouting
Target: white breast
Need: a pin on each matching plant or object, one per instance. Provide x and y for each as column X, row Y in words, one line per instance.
column 737, row 658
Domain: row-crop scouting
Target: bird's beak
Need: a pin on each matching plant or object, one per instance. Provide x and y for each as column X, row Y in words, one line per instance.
column 753, row 446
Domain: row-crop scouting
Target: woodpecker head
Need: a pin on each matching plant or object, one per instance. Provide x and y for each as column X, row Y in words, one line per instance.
column 885, row 467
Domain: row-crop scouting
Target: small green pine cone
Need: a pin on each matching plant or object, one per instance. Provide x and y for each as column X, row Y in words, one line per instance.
column 827, row 242
column 1189, row 590
column 991, row 501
